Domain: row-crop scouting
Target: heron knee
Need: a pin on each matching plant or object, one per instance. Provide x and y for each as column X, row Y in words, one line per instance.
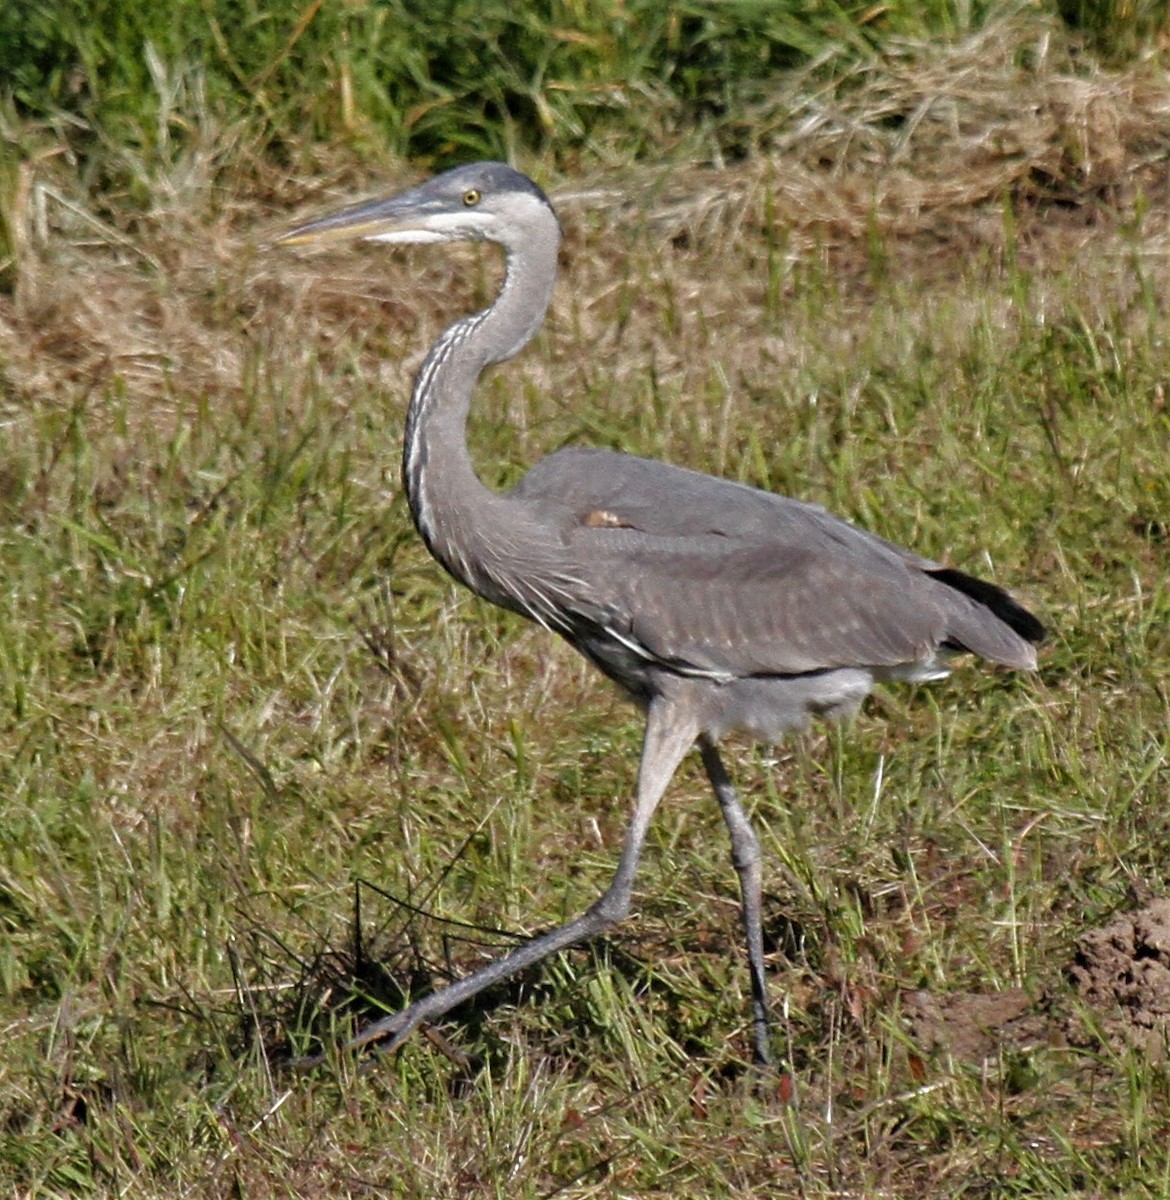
column 612, row 906
column 746, row 857
column 745, row 845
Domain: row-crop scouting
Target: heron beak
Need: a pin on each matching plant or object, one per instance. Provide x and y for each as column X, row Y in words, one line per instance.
column 378, row 220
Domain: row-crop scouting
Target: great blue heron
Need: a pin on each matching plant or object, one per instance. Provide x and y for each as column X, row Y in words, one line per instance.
column 716, row 607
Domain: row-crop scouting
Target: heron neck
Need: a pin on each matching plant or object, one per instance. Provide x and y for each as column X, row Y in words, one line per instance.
column 452, row 509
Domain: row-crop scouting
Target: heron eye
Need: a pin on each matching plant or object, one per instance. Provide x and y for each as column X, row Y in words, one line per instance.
column 471, row 197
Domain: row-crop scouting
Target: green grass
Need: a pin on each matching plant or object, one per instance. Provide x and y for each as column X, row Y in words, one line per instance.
column 462, row 78
column 234, row 687
column 1117, row 29
column 451, row 80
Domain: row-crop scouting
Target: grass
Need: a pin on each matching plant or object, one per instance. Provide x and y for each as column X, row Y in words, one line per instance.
column 237, row 698
column 604, row 81
column 461, row 78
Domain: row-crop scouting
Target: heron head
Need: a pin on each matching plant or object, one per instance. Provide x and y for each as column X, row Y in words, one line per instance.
column 485, row 201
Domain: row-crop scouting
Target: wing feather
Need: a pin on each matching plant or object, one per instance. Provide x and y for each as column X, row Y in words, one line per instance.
column 717, row 577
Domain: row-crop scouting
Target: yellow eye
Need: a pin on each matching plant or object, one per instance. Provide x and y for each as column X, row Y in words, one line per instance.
column 471, row 197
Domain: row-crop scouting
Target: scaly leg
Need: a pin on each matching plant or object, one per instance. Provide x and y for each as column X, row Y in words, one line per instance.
column 669, row 735
column 745, row 856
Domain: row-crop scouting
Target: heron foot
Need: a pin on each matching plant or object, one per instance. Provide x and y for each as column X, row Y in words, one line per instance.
column 396, row 1026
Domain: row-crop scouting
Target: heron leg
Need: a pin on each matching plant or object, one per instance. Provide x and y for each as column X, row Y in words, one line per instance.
column 745, row 856
column 669, row 735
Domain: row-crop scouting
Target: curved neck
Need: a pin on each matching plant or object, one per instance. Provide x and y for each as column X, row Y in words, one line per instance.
column 452, row 509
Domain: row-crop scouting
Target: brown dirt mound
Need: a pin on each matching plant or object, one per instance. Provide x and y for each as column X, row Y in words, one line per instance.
column 1122, row 972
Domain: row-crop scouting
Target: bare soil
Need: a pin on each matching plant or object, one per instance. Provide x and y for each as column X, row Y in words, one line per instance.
column 1121, row 976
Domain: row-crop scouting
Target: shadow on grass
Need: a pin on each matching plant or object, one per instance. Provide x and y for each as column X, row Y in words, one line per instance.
column 406, row 951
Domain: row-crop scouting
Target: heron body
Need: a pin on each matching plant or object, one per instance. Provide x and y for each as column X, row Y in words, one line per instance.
column 717, row 607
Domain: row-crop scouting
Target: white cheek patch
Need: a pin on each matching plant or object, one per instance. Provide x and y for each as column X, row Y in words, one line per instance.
column 440, row 227
column 529, row 208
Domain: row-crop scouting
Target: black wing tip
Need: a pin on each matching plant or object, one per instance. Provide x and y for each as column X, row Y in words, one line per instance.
column 996, row 600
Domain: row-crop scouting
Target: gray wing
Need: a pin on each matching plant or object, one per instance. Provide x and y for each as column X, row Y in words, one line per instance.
column 708, row 575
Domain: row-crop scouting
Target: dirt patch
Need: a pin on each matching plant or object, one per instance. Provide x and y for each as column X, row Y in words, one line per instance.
column 1121, row 976
column 1122, row 973
column 974, row 1026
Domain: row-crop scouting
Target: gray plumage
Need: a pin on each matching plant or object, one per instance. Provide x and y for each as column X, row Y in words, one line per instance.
column 717, row 607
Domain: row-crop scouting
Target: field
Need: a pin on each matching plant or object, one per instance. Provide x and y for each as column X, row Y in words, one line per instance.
column 266, row 770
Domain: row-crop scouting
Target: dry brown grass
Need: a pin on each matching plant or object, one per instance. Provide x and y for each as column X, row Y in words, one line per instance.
column 922, row 151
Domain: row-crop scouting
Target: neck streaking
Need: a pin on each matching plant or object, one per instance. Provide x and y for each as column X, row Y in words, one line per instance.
column 453, row 511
